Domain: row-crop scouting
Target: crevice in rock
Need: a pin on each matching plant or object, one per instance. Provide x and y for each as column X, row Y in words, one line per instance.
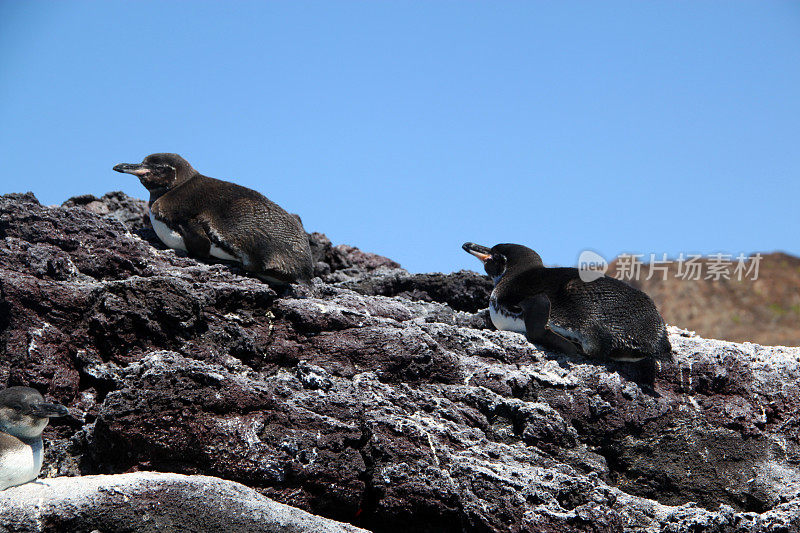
column 366, row 516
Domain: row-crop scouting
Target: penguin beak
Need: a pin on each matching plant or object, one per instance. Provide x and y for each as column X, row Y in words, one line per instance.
column 131, row 168
column 481, row 252
column 49, row 410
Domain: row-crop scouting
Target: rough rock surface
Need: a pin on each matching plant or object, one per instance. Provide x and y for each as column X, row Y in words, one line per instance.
column 378, row 398
column 148, row 502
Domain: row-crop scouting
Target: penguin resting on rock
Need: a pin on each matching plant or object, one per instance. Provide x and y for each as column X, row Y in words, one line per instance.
column 605, row 318
column 23, row 416
column 207, row 217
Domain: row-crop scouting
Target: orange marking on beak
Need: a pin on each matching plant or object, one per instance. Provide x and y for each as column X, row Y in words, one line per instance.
column 481, row 256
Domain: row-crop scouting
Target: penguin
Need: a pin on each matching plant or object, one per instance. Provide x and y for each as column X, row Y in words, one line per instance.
column 207, row 217
column 604, row 319
column 23, row 416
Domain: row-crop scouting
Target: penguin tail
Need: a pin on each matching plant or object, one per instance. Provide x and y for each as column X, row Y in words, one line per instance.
column 663, row 352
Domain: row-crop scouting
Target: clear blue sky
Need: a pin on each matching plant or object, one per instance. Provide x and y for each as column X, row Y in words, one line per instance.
column 407, row 128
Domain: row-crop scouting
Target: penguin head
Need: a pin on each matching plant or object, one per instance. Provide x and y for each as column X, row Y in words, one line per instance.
column 24, row 413
column 504, row 258
column 159, row 171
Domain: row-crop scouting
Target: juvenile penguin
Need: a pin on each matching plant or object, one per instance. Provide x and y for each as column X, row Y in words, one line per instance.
column 207, row 217
column 604, row 318
column 23, row 416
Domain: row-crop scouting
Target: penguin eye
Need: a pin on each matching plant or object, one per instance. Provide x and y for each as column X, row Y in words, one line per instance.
column 165, row 169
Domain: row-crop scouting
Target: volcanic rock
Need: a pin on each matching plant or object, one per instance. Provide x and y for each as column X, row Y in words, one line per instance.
column 378, row 398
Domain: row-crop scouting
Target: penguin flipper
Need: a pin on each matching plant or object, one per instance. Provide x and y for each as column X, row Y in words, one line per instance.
column 536, row 312
column 195, row 239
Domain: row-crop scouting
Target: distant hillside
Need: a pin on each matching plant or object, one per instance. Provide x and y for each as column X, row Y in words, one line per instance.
column 765, row 310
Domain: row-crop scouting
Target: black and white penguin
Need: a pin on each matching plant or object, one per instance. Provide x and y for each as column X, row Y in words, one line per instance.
column 23, row 416
column 207, row 217
column 605, row 318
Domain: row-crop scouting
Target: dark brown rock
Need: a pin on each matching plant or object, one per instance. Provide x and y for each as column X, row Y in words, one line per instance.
column 130, row 211
column 347, row 260
column 462, row 291
column 379, row 397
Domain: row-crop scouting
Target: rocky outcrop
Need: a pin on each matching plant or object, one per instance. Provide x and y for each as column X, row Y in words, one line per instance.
column 379, row 398
column 149, row 502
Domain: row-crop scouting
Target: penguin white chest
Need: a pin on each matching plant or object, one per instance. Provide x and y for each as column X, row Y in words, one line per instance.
column 19, row 462
column 173, row 239
column 505, row 321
